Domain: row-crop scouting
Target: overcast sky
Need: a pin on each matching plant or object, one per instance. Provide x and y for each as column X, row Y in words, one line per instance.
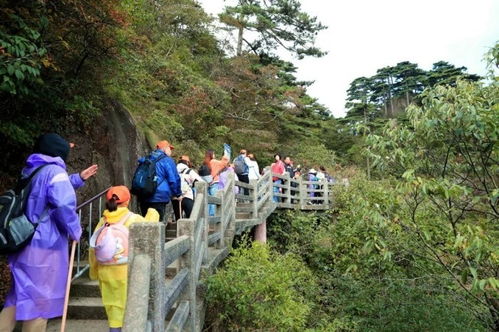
column 365, row 35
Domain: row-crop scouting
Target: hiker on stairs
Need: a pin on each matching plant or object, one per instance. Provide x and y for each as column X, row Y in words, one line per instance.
column 214, row 166
column 109, row 252
column 254, row 169
column 166, row 182
column 40, row 270
column 241, row 168
column 277, row 167
column 188, row 178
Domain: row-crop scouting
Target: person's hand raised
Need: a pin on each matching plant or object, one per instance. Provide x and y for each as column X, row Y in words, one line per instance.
column 86, row 173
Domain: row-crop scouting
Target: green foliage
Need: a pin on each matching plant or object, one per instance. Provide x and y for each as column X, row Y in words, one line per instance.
column 375, row 96
column 20, row 58
column 446, row 160
column 313, row 154
column 161, row 61
column 277, row 24
column 50, row 67
column 185, row 93
column 258, row 289
column 373, row 274
column 396, row 304
column 492, row 60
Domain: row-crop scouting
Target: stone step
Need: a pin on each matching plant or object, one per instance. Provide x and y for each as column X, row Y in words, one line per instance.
column 172, row 225
column 171, row 233
column 215, row 256
column 77, row 325
column 86, row 308
column 84, row 287
column 243, row 215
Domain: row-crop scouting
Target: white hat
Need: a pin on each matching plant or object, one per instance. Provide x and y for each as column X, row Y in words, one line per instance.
column 313, row 171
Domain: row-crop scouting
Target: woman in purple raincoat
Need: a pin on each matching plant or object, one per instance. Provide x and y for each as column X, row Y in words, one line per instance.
column 39, row 271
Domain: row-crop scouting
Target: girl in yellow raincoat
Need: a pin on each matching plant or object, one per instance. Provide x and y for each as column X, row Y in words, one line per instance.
column 113, row 278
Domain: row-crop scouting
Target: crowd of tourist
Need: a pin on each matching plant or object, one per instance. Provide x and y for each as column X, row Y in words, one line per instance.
column 166, row 192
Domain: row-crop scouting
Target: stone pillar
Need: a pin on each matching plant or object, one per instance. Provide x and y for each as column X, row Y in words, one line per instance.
column 303, row 193
column 288, row 188
column 220, row 212
column 149, row 239
column 326, row 192
column 202, row 187
column 230, row 229
column 188, row 261
column 271, row 187
column 254, row 194
column 138, row 296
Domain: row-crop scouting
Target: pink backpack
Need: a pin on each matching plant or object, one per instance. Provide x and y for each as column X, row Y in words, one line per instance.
column 110, row 242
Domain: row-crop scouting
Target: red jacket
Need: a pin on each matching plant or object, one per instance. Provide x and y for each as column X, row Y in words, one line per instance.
column 277, row 167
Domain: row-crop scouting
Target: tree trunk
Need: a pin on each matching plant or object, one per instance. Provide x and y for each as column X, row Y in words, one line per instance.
column 386, row 106
column 390, row 85
column 367, row 157
column 240, row 41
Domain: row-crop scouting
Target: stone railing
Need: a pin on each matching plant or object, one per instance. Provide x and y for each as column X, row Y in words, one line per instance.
column 302, row 194
column 165, row 290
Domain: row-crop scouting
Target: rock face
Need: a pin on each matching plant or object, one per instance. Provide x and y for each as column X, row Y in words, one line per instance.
column 114, row 143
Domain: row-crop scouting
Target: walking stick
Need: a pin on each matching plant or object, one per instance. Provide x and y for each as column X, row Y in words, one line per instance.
column 68, row 286
column 180, row 208
column 179, row 200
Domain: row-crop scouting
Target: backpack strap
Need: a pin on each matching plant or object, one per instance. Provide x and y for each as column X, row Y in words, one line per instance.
column 24, row 182
column 124, row 218
column 163, row 156
column 186, row 171
column 157, row 161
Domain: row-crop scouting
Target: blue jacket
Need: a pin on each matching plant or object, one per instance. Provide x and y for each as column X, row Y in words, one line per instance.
column 168, row 178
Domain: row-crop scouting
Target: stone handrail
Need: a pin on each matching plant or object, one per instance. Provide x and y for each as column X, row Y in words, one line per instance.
column 203, row 242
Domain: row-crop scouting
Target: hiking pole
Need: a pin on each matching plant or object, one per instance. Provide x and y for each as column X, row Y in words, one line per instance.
column 179, row 202
column 180, row 208
column 68, row 286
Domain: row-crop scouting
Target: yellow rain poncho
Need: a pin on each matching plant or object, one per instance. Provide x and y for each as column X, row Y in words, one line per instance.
column 113, row 278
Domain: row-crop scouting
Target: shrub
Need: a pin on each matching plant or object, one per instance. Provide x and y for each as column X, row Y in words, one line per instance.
column 372, row 273
column 259, row 289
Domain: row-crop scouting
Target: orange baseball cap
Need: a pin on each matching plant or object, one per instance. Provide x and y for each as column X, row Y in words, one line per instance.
column 121, row 192
column 164, row 144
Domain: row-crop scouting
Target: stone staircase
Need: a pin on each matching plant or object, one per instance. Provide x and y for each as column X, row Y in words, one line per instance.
column 85, row 310
column 199, row 253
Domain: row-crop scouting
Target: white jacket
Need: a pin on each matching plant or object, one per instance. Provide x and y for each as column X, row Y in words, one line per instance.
column 253, row 169
column 187, row 178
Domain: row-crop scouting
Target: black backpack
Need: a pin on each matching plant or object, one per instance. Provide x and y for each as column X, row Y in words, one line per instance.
column 145, row 181
column 204, row 170
column 16, row 230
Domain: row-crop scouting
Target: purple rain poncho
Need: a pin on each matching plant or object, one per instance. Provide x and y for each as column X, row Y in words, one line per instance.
column 39, row 271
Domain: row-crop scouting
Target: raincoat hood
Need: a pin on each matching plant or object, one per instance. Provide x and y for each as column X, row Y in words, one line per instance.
column 36, row 160
column 115, row 216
